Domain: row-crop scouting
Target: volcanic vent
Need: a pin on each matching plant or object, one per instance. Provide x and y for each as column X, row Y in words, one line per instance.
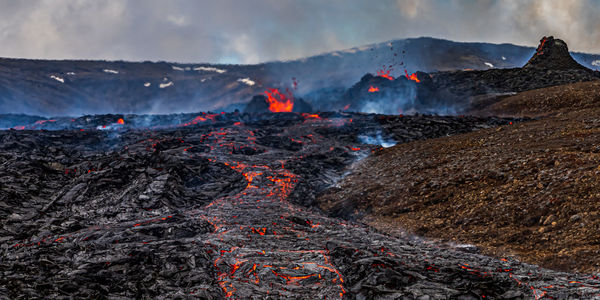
column 553, row 54
column 275, row 101
column 464, row 91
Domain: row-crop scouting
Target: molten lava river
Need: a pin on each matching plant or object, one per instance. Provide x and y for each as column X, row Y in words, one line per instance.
column 222, row 206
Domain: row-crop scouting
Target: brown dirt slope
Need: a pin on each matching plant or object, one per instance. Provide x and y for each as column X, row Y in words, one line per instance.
column 530, row 189
column 547, row 101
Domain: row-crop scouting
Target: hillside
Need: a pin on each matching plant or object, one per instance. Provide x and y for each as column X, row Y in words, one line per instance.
column 543, row 102
column 528, row 189
column 87, row 87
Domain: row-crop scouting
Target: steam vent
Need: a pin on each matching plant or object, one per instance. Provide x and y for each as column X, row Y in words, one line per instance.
column 553, row 54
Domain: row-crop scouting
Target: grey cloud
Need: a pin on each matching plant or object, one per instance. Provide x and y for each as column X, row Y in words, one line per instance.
column 250, row 31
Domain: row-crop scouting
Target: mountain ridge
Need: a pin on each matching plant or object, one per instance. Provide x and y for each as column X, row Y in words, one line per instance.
column 76, row 87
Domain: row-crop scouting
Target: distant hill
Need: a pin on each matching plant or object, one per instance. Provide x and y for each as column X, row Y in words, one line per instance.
column 75, row 87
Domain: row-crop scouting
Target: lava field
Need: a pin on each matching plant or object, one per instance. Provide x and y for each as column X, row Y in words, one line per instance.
column 222, row 206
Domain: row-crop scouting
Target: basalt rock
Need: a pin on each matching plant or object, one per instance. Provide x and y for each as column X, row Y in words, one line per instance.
column 128, row 212
column 257, row 104
column 553, row 54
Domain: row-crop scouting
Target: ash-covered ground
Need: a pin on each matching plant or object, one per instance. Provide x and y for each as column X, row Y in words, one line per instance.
column 216, row 206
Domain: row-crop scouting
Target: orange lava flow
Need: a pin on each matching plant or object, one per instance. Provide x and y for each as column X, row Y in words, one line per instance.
column 373, row 89
column 310, row 116
column 385, row 74
column 541, row 46
column 121, row 121
column 249, row 177
column 203, row 118
column 238, row 265
column 412, row 76
column 39, row 122
column 279, row 102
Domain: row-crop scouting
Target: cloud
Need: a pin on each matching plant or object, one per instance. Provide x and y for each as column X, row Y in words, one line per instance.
column 252, row 31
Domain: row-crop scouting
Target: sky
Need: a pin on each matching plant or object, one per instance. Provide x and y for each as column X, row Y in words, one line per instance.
column 253, row 31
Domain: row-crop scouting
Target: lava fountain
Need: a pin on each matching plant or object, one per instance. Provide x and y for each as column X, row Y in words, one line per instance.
column 279, row 102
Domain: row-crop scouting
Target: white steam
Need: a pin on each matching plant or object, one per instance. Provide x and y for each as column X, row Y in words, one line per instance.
column 376, row 140
column 397, row 102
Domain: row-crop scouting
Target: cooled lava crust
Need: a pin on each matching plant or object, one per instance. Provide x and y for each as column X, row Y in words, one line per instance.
column 220, row 207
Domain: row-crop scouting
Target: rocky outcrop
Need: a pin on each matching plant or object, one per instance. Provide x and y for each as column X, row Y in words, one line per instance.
column 553, row 54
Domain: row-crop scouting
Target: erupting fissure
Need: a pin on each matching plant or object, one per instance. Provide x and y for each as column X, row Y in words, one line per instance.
column 279, row 102
column 412, row 76
column 385, row 73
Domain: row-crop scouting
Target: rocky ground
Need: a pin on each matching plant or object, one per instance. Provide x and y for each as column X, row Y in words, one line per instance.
column 220, row 207
column 528, row 190
column 545, row 102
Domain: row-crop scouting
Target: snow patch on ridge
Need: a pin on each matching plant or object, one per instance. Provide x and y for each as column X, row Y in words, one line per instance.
column 176, row 68
column 62, row 80
column 488, row 64
column 247, row 81
column 210, row 69
column 596, row 63
column 165, row 85
column 110, row 71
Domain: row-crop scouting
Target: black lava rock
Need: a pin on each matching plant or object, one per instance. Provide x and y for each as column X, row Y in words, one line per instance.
column 553, row 54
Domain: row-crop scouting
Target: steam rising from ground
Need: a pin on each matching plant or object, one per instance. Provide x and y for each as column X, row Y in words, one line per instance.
column 392, row 104
column 377, row 139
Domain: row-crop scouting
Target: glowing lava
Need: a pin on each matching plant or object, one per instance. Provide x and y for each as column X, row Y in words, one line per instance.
column 385, row 73
column 373, row 89
column 40, row 122
column 541, row 46
column 412, row 76
column 205, row 117
column 121, row 121
column 279, row 102
column 310, row 116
